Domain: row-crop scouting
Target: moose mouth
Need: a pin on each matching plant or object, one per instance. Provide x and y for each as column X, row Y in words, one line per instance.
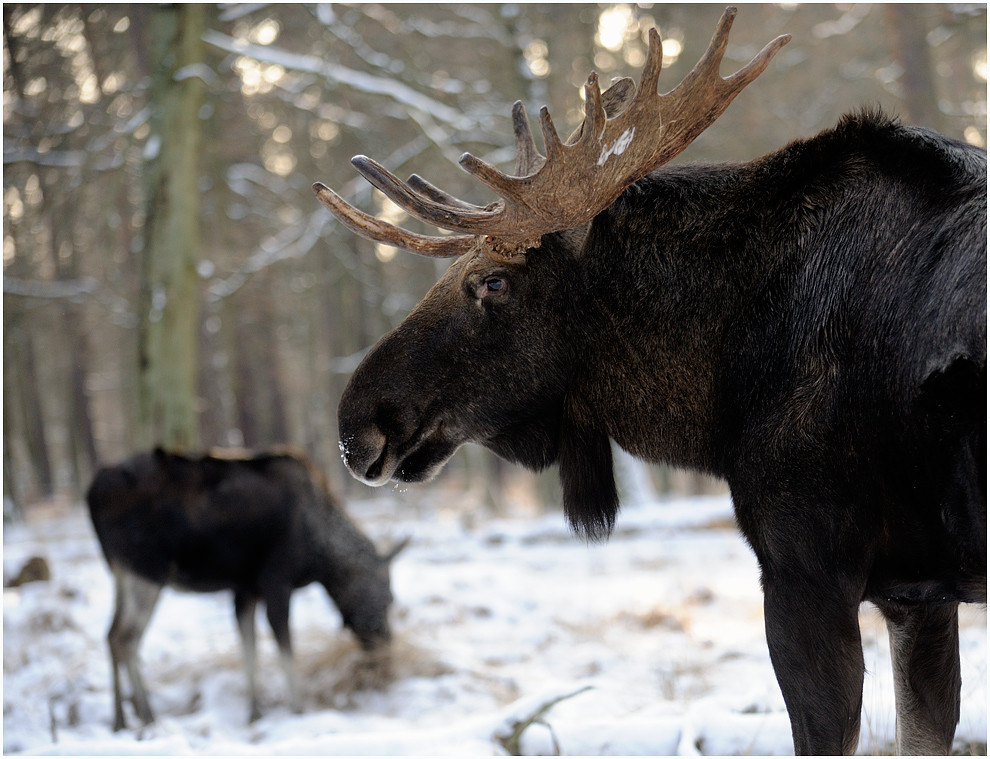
column 375, row 459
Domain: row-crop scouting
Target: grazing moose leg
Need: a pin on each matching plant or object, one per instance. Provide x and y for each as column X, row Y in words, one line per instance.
column 817, row 656
column 924, row 646
column 277, row 606
column 133, row 606
column 244, row 608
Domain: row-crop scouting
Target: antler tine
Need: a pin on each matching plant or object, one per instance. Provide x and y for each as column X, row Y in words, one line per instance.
column 758, row 65
column 504, row 186
column 379, row 231
column 712, row 59
column 434, row 193
column 528, row 157
column 706, row 71
column 551, row 140
column 615, row 99
column 595, row 116
column 423, row 208
column 651, row 70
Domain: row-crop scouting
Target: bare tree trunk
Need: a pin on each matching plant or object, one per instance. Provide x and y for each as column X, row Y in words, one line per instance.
column 81, row 444
column 327, row 384
column 82, row 418
column 16, row 74
column 910, row 49
column 278, row 428
column 170, row 306
column 259, row 386
column 32, row 418
column 245, row 382
column 214, row 421
column 13, row 503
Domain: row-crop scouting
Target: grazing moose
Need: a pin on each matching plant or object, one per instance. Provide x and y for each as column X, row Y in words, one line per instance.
column 259, row 525
column 810, row 325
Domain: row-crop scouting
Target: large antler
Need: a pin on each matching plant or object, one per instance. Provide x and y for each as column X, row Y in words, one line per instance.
column 614, row 147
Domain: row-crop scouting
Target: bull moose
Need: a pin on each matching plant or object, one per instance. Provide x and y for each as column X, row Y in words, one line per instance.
column 260, row 525
column 809, row 325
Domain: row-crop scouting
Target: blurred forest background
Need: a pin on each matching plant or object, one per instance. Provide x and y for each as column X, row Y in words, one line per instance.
column 169, row 277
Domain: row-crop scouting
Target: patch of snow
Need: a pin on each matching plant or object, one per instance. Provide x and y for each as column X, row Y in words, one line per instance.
column 509, row 634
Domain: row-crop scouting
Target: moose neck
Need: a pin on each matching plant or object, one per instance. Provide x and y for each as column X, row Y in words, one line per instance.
column 676, row 266
column 348, row 552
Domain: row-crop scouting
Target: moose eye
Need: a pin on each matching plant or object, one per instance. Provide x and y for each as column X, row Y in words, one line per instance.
column 493, row 287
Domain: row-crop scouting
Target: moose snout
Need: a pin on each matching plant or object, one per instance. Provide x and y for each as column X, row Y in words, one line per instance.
column 364, row 454
column 376, row 642
column 375, row 432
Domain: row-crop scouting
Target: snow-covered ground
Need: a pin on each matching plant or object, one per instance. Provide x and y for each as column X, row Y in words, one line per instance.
column 511, row 634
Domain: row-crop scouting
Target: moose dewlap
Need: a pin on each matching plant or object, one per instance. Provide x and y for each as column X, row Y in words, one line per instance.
column 810, row 326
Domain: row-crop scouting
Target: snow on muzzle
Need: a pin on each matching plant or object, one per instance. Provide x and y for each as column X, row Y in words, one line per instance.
column 366, row 456
column 375, row 457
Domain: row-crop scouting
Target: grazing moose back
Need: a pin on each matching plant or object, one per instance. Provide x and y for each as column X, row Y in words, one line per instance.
column 258, row 525
column 811, row 326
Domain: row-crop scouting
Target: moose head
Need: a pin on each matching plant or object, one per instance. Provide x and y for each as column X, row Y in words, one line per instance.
column 493, row 353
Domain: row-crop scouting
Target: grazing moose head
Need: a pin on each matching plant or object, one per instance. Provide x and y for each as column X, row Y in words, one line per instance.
column 811, row 326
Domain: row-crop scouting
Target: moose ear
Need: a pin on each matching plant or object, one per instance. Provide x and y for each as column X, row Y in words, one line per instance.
column 591, row 501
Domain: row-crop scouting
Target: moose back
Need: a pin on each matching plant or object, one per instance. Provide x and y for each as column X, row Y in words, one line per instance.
column 810, row 325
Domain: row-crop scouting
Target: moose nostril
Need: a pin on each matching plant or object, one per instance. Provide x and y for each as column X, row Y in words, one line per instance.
column 375, row 470
column 364, row 452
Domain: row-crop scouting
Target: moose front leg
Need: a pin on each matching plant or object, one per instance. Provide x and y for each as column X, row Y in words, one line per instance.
column 134, row 604
column 924, row 647
column 244, row 609
column 277, row 599
column 817, row 655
